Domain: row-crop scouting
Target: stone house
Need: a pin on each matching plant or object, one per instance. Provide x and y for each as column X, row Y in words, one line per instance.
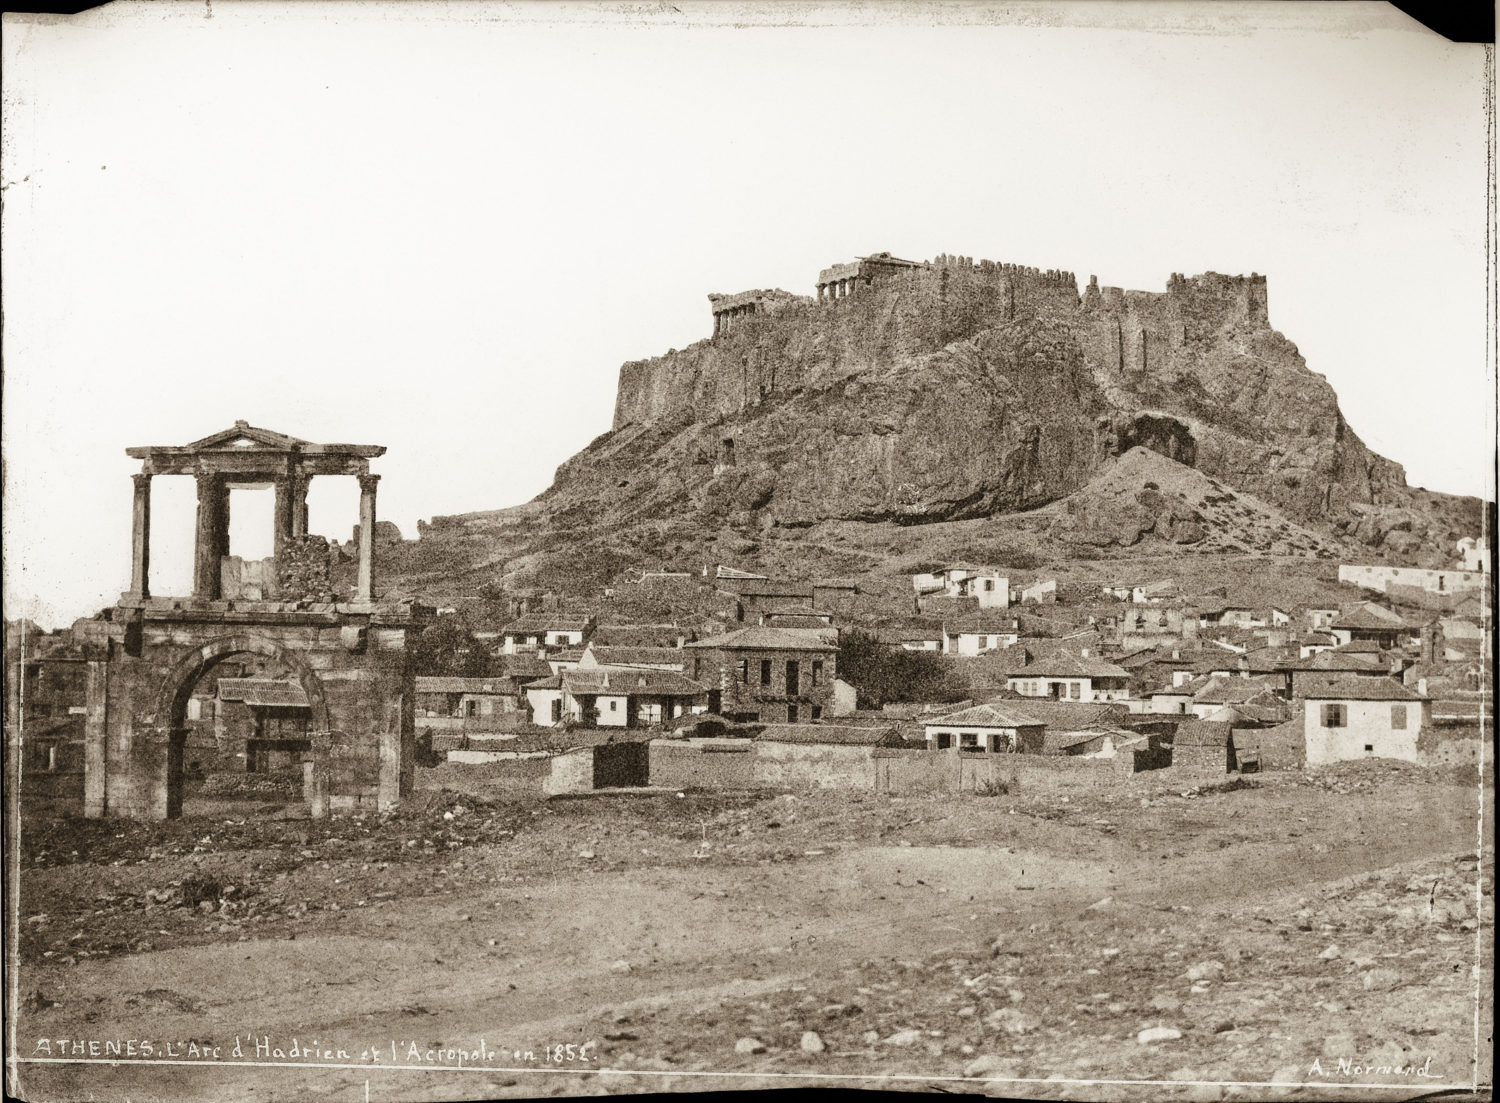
column 1204, row 745
column 753, row 598
column 1071, row 678
column 992, row 728
column 774, row 675
column 979, row 633
column 1354, row 718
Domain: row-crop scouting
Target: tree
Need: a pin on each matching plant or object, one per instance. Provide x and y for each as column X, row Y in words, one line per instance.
column 883, row 675
column 449, row 648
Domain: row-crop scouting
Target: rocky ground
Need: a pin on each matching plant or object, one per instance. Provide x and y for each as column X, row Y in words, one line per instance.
column 1164, row 937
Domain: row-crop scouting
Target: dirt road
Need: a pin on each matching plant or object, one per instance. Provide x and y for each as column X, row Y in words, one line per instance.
column 660, row 962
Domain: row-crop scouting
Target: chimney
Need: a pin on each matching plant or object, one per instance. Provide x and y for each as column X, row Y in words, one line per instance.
column 1422, row 686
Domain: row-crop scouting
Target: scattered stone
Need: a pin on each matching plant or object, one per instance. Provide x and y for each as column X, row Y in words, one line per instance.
column 620, row 967
column 1331, row 952
column 749, row 1045
column 1155, row 1034
column 811, row 1042
column 1012, row 1021
column 990, row 1065
column 904, row 1038
column 1205, row 970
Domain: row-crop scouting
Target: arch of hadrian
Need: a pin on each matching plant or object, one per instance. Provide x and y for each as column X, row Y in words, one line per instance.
column 350, row 658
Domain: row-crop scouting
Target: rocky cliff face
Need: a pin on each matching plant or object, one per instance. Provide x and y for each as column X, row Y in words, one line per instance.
column 958, row 390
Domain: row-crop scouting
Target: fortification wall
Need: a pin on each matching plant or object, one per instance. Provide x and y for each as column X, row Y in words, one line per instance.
column 1388, row 579
column 905, row 312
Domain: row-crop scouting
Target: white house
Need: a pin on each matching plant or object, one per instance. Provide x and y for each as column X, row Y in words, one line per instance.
column 542, row 631
column 1071, row 678
column 989, row 586
column 1353, row 718
column 977, row 634
column 985, row 729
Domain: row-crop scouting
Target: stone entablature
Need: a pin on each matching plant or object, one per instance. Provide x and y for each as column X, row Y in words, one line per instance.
column 842, row 280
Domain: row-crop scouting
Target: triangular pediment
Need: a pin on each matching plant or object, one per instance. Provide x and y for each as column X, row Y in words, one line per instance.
column 243, row 436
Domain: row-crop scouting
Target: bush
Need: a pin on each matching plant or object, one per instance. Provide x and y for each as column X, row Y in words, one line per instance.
column 995, row 787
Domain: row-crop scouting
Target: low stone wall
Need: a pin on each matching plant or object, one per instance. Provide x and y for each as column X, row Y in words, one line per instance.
column 717, row 764
column 804, row 766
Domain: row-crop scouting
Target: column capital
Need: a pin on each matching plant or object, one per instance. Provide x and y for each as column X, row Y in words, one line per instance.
column 142, row 480
column 367, row 483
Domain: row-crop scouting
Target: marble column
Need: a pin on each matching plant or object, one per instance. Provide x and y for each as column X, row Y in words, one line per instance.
column 212, row 540
column 366, row 590
column 140, row 538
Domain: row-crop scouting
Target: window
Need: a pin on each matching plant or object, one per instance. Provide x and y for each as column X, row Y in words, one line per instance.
column 1333, row 716
column 765, row 672
column 614, row 706
column 742, row 674
column 792, row 685
column 989, row 585
column 471, row 708
column 944, row 741
column 969, row 743
column 697, row 669
column 817, row 671
column 1398, row 718
column 1073, row 690
column 791, row 714
column 817, row 713
column 1369, row 748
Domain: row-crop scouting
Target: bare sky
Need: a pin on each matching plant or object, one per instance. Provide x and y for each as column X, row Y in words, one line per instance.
column 442, row 227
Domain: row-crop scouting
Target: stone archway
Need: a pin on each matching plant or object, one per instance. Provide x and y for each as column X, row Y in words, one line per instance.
column 177, row 687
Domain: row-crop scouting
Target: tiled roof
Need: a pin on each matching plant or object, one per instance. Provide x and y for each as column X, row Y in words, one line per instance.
column 630, row 682
column 1363, row 689
column 988, row 624
column 1070, row 666
column 997, row 715
column 1202, row 733
column 1067, row 715
column 1371, row 617
column 638, row 656
column 639, row 635
column 759, row 638
column 1232, row 690
column 839, row 734
column 1343, row 661
column 523, row 667
column 263, row 693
